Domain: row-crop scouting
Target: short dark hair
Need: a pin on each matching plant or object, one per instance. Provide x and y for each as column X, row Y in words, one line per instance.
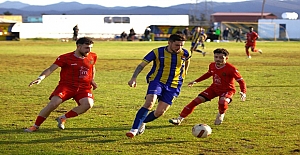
column 221, row 51
column 177, row 37
column 85, row 40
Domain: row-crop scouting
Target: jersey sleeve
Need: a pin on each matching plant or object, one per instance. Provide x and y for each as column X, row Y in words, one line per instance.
column 95, row 57
column 149, row 57
column 237, row 76
column 60, row 61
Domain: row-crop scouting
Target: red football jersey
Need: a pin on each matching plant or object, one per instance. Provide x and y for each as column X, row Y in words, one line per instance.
column 76, row 72
column 223, row 78
column 251, row 37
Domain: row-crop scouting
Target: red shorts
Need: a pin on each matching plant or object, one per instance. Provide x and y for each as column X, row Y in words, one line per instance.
column 67, row 92
column 211, row 93
column 250, row 45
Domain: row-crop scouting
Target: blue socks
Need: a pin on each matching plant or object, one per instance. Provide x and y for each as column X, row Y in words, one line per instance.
column 140, row 117
column 150, row 117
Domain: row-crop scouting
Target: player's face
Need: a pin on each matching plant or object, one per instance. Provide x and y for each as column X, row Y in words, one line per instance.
column 220, row 59
column 175, row 47
column 85, row 49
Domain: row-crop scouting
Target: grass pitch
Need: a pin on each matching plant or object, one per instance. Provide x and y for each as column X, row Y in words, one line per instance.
column 267, row 123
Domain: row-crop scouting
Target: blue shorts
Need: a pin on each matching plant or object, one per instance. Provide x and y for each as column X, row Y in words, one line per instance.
column 164, row 93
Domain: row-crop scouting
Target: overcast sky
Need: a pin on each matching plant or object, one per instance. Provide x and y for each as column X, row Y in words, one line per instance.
column 125, row 3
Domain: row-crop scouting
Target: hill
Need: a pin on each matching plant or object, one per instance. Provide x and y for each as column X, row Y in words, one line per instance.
column 276, row 7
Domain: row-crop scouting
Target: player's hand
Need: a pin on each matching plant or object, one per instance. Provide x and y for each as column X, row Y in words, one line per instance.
column 37, row 81
column 94, row 84
column 132, row 83
column 243, row 96
column 190, row 84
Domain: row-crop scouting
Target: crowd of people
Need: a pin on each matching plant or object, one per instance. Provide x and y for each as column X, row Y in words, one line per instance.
column 164, row 81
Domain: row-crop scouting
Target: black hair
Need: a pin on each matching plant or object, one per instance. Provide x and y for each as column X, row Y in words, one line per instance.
column 221, row 51
column 177, row 37
column 84, row 40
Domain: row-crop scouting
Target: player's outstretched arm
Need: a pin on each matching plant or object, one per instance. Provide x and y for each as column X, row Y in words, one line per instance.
column 44, row 74
column 139, row 68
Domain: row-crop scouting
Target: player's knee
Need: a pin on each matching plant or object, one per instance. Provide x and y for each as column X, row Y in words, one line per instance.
column 159, row 112
column 223, row 104
column 86, row 103
column 148, row 105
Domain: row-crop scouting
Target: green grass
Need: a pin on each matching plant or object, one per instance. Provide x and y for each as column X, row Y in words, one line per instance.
column 267, row 123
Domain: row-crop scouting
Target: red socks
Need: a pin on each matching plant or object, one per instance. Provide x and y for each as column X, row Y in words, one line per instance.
column 39, row 120
column 188, row 109
column 70, row 114
column 223, row 106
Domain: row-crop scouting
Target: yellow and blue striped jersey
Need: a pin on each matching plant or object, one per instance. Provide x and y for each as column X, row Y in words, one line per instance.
column 196, row 37
column 167, row 68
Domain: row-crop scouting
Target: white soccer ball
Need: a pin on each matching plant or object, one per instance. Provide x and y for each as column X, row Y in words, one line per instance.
column 201, row 130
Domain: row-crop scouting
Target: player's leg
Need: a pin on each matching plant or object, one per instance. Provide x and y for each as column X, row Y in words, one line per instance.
column 189, row 108
column 154, row 89
column 194, row 47
column 247, row 51
column 85, row 101
column 253, row 49
column 223, row 106
column 162, row 107
column 45, row 112
column 141, row 115
column 197, row 50
column 223, row 102
column 166, row 99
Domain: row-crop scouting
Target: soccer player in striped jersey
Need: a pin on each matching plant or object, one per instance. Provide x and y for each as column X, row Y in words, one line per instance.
column 170, row 66
column 223, row 75
column 251, row 42
column 197, row 39
column 76, row 81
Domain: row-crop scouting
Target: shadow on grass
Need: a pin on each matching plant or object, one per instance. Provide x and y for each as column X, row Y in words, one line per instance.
column 260, row 86
column 59, row 139
column 90, row 133
column 74, row 130
column 158, row 142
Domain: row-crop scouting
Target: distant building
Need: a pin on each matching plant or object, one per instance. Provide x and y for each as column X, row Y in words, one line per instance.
column 240, row 17
column 16, row 18
column 284, row 29
column 33, row 19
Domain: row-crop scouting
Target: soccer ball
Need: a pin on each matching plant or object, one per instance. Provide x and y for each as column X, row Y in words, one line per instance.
column 201, row 130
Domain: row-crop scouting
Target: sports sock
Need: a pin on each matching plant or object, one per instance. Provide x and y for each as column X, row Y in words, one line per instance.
column 39, row 120
column 247, row 52
column 70, row 114
column 223, row 106
column 140, row 117
column 188, row 109
column 150, row 117
column 199, row 51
